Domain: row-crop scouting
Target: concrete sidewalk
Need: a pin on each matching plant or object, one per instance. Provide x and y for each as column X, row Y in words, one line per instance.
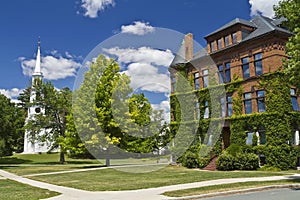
column 145, row 194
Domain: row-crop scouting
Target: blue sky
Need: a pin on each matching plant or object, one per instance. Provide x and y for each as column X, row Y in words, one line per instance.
column 71, row 29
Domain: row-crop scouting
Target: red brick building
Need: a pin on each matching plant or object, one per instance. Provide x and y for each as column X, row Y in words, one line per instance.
column 242, row 52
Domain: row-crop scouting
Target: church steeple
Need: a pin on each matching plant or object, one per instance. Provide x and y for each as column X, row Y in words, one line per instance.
column 37, row 70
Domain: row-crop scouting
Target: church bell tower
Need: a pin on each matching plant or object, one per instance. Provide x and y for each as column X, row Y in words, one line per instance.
column 31, row 145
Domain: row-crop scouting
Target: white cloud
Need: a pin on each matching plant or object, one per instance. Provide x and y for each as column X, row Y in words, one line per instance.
column 92, row 7
column 264, row 7
column 142, row 55
column 52, row 67
column 137, row 28
column 143, row 67
column 146, row 77
column 12, row 93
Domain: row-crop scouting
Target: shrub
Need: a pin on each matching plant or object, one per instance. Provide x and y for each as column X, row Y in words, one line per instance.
column 190, row 160
column 241, row 161
column 283, row 157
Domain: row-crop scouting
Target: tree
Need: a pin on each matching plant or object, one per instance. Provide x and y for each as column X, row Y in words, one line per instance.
column 108, row 117
column 290, row 10
column 57, row 105
column 11, row 123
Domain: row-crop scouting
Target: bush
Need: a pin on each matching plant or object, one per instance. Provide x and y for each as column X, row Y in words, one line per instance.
column 283, row 157
column 269, row 168
column 241, row 161
column 190, row 160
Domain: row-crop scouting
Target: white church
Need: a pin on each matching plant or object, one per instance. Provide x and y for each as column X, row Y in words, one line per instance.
column 31, row 145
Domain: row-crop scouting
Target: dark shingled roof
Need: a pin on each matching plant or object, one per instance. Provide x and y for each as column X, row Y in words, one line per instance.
column 260, row 23
column 233, row 22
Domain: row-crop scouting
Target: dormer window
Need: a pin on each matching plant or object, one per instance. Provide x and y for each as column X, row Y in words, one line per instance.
column 212, row 46
column 226, row 39
column 219, row 43
column 234, row 38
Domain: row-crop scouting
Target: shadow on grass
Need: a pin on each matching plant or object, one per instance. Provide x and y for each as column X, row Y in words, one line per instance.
column 14, row 161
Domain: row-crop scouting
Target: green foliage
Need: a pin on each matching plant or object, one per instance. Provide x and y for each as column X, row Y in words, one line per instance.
column 282, row 156
column 290, row 10
column 11, row 123
column 240, row 161
column 57, row 105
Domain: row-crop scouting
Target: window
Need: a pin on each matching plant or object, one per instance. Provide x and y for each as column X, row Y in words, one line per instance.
column 212, row 46
column 227, row 72
column 221, row 74
column 197, row 110
column 229, row 105
column 196, row 81
column 245, row 67
column 226, row 39
column 220, row 43
column 262, row 137
column 223, row 110
column 173, row 83
column 258, row 64
column 224, row 73
column 249, row 140
column 294, row 99
column 260, row 99
column 234, row 38
column 296, row 138
column 205, row 78
column 248, row 103
column 206, row 110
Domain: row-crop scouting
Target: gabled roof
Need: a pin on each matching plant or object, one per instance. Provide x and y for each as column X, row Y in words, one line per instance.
column 265, row 25
column 232, row 23
column 261, row 25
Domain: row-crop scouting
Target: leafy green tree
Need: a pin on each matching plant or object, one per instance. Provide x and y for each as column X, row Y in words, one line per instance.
column 290, row 10
column 57, row 105
column 108, row 117
column 11, row 123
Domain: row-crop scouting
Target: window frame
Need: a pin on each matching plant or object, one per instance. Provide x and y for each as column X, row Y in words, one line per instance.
column 205, row 78
column 226, row 40
column 219, row 43
column 206, row 110
column 196, row 80
column 221, row 73
column 245, row 65
column 234, row 38
column 248, row 100
column 256, row 64
column 260, row 100
column 227, row 105
column 294, row 99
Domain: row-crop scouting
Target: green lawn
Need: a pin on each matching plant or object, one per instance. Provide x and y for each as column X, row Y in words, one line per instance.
column 24, row 164
column 112, row 179
column 227, row 187
column 11, row 190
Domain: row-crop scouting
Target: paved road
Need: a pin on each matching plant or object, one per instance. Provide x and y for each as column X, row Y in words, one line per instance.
column 274, row 194
column 144, row 194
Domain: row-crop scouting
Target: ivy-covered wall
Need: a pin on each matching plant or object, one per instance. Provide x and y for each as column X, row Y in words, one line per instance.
column 278, row 122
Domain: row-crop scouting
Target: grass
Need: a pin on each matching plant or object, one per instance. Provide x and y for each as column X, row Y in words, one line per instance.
column 24, row 164
column 227, row 187
column 11, row 190
column 115, row 180
column 27, row 164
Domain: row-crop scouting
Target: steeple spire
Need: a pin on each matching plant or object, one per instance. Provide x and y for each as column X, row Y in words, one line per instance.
column 37, row 70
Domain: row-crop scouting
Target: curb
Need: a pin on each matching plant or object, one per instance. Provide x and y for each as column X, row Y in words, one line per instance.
column 231, row 192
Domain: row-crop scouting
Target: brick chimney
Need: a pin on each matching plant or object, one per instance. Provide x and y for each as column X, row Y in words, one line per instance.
column 189, row 48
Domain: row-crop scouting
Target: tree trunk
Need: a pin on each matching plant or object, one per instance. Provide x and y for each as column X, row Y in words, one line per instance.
column 62, row 158
column 107, row 160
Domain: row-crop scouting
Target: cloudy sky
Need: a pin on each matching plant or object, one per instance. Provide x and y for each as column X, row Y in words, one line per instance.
column 71, row 29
